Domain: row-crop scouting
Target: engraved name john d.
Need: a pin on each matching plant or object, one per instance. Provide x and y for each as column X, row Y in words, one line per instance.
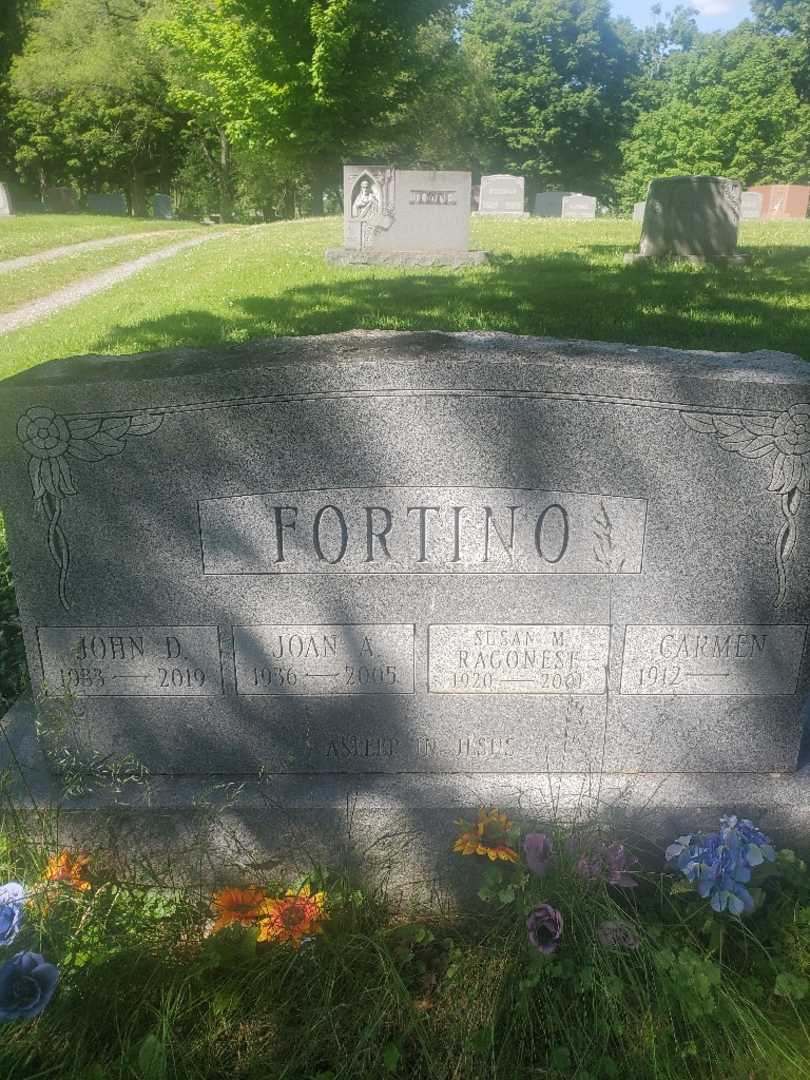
column 422, row 530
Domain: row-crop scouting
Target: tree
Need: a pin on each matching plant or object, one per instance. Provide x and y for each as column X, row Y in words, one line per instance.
column 789, row 17
column 559, row 71
column 14, row 17
column 90, row 99
column 726, row 107
column 307, row 81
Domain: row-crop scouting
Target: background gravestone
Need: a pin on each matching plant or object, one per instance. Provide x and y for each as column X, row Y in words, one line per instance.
column 6, row 206
column 691, row 217
column 549, row 203
column 114, row 204
column 578, row 207
column 475, row 196
column 162, row 207
column 751, row 206
column 783, row 201
column 502, row 194
column 60, row 200
column 417, row 571
column 407, row 217
column 638, row 211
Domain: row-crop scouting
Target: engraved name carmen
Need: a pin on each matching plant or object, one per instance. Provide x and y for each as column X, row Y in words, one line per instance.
column 427, row 530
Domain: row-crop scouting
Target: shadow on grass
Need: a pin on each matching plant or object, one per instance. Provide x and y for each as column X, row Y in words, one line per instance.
column 764, row 305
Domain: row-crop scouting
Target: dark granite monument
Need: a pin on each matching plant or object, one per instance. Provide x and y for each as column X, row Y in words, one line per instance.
column 550, row 203
column 162, row 207
column 114, row 204
column 691, row 217
column 60, row 200
column 420, row 571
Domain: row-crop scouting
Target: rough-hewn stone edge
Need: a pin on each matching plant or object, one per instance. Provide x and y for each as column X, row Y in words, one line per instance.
column 375, row 257
column 740, row 258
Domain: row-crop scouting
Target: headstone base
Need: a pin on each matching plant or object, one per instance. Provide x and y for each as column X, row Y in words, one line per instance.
column 501, row 213
column 379, row 257
column 191, row 828
column 740, row 258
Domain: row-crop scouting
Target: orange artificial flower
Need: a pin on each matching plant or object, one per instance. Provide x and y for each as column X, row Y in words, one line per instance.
column 487, row 837
column 293, row 916
column 236, row 905
column 69, row 869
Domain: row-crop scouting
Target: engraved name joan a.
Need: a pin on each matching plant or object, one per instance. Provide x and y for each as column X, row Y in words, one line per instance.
column 422, row 530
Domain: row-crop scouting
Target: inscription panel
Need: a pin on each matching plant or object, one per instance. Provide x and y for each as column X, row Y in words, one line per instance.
column 308, row 660
column 131, row 661
column 712, row 660
column 517, row 659
column 422, row 530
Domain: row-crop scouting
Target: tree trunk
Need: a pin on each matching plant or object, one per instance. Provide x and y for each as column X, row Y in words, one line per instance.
column 320, row 178
column 225, row 186
column 137, row 192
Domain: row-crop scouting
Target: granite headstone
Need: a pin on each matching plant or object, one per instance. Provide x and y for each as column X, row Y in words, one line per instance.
column 162, row 207
column 549, row 203
column 60, row 200
column 475, row 196
column 417, row 559
column 6, row 205
column 577, row 207
column 502, row 194
column 751, row 206
column 113, row 203
column 783, row 201
column 638, row 211
column 405, row 217
column 691, row 217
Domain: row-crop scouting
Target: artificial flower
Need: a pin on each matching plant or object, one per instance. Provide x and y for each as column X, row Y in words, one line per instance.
column 12, row 895
column 545, row 926
column 487, row 837
column 538, row 849
column 69, row 869
column 292, row 917
column 236, row 906
column 27, row 984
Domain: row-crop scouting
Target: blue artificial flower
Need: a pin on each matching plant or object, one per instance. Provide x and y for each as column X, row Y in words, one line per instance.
column 12, row 896
column 720, row 864
column 27, row 984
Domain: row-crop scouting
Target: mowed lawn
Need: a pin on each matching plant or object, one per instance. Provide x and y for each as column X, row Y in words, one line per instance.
column 31, row 233
column 546, row 277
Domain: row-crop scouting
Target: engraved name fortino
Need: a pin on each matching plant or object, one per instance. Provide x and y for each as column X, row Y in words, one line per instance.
column 433, row 198
column 422, row 530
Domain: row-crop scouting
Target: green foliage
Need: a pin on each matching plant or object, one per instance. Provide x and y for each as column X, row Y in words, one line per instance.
column 13, row 671
column 559, row 71
column 726, row 107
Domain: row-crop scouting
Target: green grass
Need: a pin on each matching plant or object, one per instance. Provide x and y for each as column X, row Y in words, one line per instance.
column 552, row 278
column 21, row 286
column 30, row 233
column 147, row 993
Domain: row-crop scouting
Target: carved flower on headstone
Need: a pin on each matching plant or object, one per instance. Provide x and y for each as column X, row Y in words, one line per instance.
column 49, row 439
column 785, row 438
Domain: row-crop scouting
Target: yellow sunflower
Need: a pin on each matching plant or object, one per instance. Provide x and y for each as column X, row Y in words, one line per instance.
column 487, row 837
column 291, row 917
column 236, row 905
column 69, row 869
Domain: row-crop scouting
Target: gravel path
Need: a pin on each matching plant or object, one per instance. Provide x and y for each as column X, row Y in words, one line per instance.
column 74, row 249
column 72, row 294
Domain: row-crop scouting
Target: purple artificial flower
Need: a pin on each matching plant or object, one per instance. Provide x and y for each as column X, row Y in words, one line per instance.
column 12, row 895
column 545, row 926
column 27, row 984
column 609, row 863
column 617, row 935
column 538, row 849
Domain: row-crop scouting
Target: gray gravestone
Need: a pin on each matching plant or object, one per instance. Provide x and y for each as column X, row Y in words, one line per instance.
column 114, row 204
column 418, row 571
column 502, row 194
column 638, row 211
column 60, row 200
column 6, row 205
column 162, row 207
column 751, row 206
column 691, row 217
column 578, row 207
column 475, row 196
column 550, row 203
column 405, row 217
